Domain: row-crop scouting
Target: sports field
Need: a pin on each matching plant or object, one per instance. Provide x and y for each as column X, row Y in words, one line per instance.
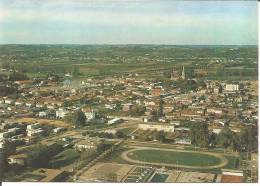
column 175, row 158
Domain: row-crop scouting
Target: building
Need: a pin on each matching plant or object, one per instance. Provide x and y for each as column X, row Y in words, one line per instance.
column 254, row 167
column 127, row 107
column 182, row 141
column 61, row 113
column 157, row 127
column 19, row 159
column 175, row 75
column 114, row 121
column 183, row 73
column 34, row 130
column 89, row 113
column 230, row 176
column 231, row 88
column 88, row 144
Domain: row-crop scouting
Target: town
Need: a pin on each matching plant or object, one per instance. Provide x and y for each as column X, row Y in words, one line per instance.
column 145, row 118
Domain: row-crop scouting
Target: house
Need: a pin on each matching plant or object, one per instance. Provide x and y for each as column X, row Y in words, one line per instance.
column 34, row 130
column 182, row 141
column 29, row 104
column 58, row 130
column 17, row 159
column 61, row 113
column 157, row 127
column 127, row 107
column 114, row 121
column 90, row 144
column 43, row 114
column 89, row 113
column 9, row 101
column 18, row 103
column 231, row 88
column 230, row 176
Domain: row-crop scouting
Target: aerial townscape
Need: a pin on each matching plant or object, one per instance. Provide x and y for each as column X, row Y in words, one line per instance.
column 129, row 113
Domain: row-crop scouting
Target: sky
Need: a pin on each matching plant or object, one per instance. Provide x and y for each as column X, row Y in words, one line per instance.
column 128, row 22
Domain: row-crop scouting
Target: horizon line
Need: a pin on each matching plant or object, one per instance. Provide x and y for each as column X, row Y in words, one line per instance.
column 159, row 44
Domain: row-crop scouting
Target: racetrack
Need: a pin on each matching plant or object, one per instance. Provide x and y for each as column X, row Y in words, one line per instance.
column 125, row 156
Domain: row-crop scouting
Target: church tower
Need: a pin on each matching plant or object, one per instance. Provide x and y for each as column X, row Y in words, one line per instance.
column 183, row 73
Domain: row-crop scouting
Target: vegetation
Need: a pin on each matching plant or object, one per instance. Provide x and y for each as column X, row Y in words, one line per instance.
column 200, row 134
column 118, row 59
column 76, row 118
column 248, row 138
column 40, row 155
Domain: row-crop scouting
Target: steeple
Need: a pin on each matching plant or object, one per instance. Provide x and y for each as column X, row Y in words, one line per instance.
column 183, row 73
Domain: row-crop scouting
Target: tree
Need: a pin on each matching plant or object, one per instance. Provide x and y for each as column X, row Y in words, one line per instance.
column 77, row 118
column 120, row 134
column 200, row 134
column 75, row 71
column 228, row 139
column 160, row 136
column 160, row 112
column 16, row 76
column 212, row 139
column 248, row 138
column 38, row 156
column 154, row 116
column 137, row 110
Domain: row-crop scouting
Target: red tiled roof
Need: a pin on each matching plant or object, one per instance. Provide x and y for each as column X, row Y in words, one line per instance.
column 231, row 179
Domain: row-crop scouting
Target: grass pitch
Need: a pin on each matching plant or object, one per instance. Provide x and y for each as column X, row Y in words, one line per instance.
column 174, row 157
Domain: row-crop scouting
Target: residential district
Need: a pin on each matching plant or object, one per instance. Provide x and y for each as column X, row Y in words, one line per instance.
column 123, row 128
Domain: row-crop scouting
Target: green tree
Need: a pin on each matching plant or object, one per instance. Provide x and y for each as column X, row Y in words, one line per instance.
column 120, row 134
column 228, row 139
column 76, row 118
column 160, row 112
column 212, row 139
column 248, row 138
column 75, row 71
column 38, row 156
column 200, row 134
column 160, row 136
column 137, row 111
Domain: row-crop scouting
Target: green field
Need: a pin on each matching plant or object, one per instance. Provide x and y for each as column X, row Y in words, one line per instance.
column 233, row 162
column 127, row 131
column 159, row 178
column 174, row 157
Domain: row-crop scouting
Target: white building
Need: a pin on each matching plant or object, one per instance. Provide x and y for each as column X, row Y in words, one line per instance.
column 61, row 113
column 231, row 87
column 34, row 130
column 114, row 121
column 42, row 114
column 88, row 144
column 89, row 113
column 158, row 127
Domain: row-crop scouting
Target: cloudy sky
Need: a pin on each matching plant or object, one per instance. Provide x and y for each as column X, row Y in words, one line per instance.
column 128, row 22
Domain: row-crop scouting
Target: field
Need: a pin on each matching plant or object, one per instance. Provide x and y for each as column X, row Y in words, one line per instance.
column 175, row 157
column 55, row 123
column 149, row 61
column 160, row 178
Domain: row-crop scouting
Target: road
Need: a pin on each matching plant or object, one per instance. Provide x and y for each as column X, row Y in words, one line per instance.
column 75, row 133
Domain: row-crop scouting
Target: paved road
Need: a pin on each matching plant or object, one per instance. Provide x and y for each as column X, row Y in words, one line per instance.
column 124, row 156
